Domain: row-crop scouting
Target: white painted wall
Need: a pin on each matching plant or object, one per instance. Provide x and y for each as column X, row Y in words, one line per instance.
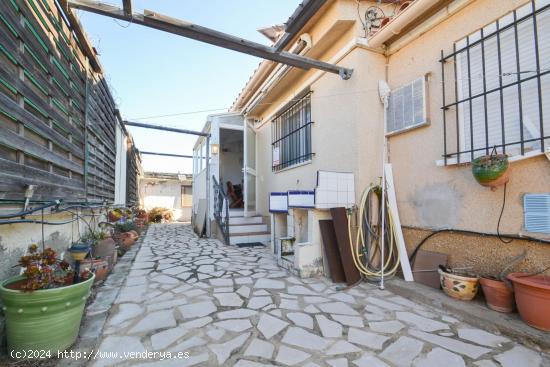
column 165, row 194
column 120, row 167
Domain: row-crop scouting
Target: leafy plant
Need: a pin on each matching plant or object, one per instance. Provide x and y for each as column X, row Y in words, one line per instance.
column 141, row 213
column 157, row 215
column 43, row 270
column 93, row 237
column 127, row 226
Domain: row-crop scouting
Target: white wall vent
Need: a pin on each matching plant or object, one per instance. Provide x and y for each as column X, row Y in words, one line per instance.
column 407, row 107
column 537, row 212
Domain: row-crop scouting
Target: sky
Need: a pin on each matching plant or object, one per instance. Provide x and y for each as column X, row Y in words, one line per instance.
column 152, row 73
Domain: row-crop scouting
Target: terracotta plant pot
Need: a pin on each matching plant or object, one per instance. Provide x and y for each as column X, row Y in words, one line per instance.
column 134, row 233
column 99, row 267
column 125, row 239
column 498, row 295
column 533, row 299
column 106, row 250
column 459, row 287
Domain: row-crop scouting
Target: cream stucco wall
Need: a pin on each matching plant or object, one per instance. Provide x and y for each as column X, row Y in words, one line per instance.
column 448, row 197
column 165, row 194
column 347, row 131
column 347, row 135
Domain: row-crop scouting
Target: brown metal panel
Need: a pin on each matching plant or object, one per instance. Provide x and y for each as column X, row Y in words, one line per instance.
column 340, row 221
column 425, row 267
column 331, row 251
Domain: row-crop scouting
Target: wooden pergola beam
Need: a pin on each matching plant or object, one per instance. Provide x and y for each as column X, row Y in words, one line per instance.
column 82, row 38
column 165, row 128
column 167, row 154
column 127, row 5
column 186, row 29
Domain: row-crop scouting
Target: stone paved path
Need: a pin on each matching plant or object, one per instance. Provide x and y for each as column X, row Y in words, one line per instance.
column 235, row 307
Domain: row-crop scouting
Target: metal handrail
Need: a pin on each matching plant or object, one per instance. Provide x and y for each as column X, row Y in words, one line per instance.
column 221, row 202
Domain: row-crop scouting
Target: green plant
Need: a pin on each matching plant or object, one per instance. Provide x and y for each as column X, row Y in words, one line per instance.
column 93, row 237
column 125, row 227
column 44, row 271
column 157, row 215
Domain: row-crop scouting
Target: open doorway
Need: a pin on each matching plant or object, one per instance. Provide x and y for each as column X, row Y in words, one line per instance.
column 231, row 166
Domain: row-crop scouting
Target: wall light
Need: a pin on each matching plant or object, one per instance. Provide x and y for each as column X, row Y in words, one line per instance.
column 214, row 149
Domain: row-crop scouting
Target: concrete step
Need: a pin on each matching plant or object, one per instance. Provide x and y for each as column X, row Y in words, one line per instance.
column 233, row 213
column 247, row 228
column 245, row 220
column 262, row 237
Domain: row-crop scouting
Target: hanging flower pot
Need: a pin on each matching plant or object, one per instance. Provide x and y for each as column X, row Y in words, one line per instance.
column 491, row 170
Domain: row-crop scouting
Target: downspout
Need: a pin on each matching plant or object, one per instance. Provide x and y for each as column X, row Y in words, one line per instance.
column 301, row 47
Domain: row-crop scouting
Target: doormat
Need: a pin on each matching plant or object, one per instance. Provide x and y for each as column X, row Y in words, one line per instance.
column 251, row 244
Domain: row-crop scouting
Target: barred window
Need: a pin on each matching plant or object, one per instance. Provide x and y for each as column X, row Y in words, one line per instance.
column 499, row 87
column 291, row 134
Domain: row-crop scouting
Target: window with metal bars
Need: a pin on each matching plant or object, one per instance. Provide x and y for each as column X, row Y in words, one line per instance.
column 496, row 87
column 291, row 134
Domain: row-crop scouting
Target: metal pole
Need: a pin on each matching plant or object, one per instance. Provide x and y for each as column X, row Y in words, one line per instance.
column 208, row 232
column 165, row 128
column 384, row 91
column 167, row 154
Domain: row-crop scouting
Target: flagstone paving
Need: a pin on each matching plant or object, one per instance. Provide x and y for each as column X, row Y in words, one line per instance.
column 228, row 306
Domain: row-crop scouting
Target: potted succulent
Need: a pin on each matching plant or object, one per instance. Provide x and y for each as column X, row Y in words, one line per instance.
column 141, row 218
column 499, row 293
column 458, row 285
column 44, row 306
column 491, row 170
column 103, row 245
column 115, row 215
column 125, row 233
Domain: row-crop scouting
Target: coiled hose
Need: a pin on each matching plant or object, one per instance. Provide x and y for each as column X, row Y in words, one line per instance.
column 366, row 248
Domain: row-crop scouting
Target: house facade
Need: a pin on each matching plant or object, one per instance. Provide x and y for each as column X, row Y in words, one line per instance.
column 167, row 190
column 463, row 77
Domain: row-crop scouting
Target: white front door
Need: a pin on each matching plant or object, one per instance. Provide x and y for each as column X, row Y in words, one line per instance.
column 249, row 169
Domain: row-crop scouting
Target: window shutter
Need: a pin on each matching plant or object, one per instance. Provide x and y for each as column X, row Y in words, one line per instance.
column 472, row 129
column 537, row 212
column 407, row 107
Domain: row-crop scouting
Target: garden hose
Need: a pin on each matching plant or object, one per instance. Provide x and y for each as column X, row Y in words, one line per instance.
column 367, row 242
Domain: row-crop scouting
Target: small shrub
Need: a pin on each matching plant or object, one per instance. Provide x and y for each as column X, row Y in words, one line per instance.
column 158, row 215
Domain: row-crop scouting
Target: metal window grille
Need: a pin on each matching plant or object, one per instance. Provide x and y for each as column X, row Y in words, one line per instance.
column 496, row 87
column 291, row 135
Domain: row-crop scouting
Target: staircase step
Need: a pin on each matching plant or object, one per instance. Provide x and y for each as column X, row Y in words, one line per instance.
column 249, row 237
column 237, row 213
column 245, row 220
column 247, row 228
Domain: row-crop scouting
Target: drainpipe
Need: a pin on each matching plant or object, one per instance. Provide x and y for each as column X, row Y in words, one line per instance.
column 301, row 47
column 399, row 22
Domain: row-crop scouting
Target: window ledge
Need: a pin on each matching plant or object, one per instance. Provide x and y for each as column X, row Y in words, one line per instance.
column 294, row 166
column 515, row 158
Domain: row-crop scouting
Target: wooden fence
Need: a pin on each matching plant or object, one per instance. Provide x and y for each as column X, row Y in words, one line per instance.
column 57, row 116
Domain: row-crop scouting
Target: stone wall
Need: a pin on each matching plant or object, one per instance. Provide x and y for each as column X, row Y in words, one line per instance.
column 487, row 255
